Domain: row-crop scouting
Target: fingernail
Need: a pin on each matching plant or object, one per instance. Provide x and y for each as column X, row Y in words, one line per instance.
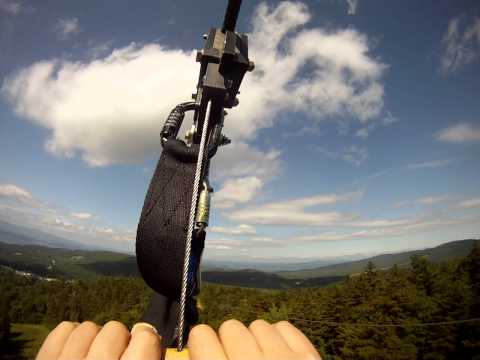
column 144, row 325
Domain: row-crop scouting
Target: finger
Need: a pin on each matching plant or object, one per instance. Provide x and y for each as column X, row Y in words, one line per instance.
column 145, row 343
column 79, row 341
column 238, row 342
column 295, row 339
column 269, row 339
column 203, row 344
column 55, row 341
column 110, row 342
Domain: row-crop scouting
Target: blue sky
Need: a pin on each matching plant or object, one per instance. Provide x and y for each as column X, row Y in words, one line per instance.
column 359, row 131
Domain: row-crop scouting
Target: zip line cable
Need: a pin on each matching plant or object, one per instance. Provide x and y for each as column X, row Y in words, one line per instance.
column 377, row 325
column 438, row 323
column 191, row 225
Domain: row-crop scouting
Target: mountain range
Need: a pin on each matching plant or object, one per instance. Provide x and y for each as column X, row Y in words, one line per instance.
column 51, row 256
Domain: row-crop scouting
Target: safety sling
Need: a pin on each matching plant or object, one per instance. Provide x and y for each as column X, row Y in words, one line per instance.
column 171, row 230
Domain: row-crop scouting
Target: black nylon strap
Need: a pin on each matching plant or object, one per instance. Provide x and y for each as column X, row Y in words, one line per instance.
column 162, row 229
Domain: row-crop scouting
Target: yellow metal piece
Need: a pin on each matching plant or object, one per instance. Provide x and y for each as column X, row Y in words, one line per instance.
column 173, row 354
column 203, row 208
column 190, row 135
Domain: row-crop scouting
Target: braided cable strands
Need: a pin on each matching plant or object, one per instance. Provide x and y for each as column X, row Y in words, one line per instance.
column 191, row 225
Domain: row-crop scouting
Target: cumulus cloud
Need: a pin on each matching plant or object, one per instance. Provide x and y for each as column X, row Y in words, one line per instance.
column 237, row 191
column 460, row 133
column 461, row 44
column 11, row 190
column 100, row 108
column 65, row 28
column 293, row 212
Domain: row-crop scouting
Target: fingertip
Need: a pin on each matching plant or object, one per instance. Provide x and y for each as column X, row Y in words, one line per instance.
column 116, row 327
column 283, row 323
column 203, row 344
column 258, row 323
column 90, row 325
column 200, row 329
column 229, row 325
column 65, row 326
column 144, row 326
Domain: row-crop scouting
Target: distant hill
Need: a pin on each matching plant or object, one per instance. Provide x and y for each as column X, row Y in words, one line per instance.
column 48, row 261
column 263, row 280
column 16, row 234
column 281, row 264
column 80, row 264
column 448, row 251
column 66, row 263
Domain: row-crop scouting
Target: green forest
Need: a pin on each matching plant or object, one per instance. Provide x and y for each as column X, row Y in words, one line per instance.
column 415, row 313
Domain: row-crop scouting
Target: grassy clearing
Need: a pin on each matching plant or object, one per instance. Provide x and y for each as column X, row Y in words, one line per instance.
column 25, row 341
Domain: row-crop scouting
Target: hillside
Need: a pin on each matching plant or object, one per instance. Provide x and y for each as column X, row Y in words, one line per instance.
column 445, row 252
column 430, row 311
column 86, row 265
column 66, row 263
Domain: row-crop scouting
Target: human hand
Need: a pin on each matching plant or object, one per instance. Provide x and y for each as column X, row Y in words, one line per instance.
column 113, row 341
column 261, row 341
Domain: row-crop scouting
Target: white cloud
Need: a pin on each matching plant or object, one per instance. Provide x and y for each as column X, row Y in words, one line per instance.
column 386, row 228
column 352, row 154
column 431, row 200
column 11, row 190
column 237, row 191
column 292, row 212
column 105, row 230
column 429, row 164
column 229, row 243
column 100, row 108
column 18, row 206
column 427, row 200
column 96, row 50
column 355, row 155
column 82, row 215
column 242, row 229
column 11, row 7
column 67, row 27
column 460, row 133
column 313, row 129
column 469, row 204
column 365, row 131
column 352, row 7
column 460, row 48
column 240, row 160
